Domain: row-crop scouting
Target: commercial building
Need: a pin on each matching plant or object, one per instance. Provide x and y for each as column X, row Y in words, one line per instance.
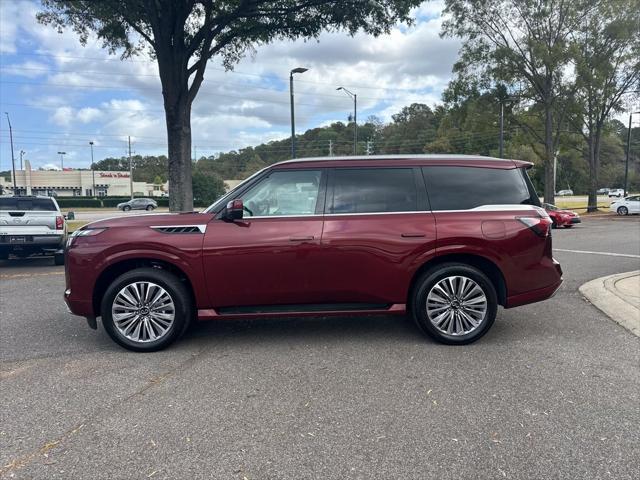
column 79, row 183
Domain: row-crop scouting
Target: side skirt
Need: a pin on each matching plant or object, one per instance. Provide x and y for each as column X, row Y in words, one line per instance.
column 265, row 311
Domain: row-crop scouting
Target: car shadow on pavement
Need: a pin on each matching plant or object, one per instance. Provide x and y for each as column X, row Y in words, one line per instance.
column 28, row 262
column 307, row 329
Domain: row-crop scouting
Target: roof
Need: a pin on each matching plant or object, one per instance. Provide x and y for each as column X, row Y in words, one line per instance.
column 446, row 159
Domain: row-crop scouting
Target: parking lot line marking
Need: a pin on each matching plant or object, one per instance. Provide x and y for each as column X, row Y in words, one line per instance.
column 610, row 254
column 27, row 275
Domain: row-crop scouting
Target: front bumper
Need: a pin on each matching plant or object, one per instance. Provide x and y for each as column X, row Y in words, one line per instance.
column 575, row 220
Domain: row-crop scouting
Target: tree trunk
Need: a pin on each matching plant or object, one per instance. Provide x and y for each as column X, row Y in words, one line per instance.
column 594, row 166
column 549, row 173
column 179, row 140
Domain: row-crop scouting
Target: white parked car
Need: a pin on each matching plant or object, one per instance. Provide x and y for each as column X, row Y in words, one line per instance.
column 565, row 193
column 616, row 192
column 627, row 205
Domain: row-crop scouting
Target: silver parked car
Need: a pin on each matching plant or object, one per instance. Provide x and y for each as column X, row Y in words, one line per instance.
column 138, row 204
column 32, row 225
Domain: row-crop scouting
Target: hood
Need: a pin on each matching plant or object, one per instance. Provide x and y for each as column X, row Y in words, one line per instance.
column 154, row 219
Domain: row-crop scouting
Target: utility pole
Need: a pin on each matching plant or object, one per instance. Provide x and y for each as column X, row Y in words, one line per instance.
column 13, row 160
column 130, row 170
column 22, row 152
column 293, row 119
column 62, row 154
column 93, row 171
column 355, row 117
column 330, row 148
column 626, row 165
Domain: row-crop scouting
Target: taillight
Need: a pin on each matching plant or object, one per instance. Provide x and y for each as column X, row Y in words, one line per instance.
column 59, row 222
column 541, row 226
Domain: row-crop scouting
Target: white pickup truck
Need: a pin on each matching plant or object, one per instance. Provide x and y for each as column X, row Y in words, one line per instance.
column 32, row 225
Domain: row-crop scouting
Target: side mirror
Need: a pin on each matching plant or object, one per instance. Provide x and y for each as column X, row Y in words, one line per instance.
column 235, row 210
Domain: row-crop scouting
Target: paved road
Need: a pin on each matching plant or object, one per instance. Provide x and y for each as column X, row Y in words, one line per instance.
column 551, row 392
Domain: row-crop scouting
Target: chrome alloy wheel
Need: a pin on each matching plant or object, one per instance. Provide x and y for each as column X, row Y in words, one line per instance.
column 143, row 312
column 456, row 305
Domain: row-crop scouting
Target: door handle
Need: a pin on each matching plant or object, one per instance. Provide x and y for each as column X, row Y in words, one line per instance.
column 301, row 239
column 413, row 235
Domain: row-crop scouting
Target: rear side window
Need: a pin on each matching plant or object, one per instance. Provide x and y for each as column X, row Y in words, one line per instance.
column 374, row 190
column 463, row 188
column 27, row 204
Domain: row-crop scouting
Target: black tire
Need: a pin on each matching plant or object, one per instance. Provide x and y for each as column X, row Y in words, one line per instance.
column 623, row 211
column 58, row 259
column 126, row 208
column 150, row 207
column 172, row 285
column 429, row 279
column 553, row 223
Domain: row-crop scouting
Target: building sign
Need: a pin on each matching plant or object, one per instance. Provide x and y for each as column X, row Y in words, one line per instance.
column 114, row 175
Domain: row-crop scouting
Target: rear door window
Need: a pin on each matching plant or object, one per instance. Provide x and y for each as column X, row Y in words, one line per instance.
column 27, row 204
column 373, row 190
column 464, row 188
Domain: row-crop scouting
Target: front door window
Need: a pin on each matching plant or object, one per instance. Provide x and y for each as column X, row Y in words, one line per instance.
column 285, row 193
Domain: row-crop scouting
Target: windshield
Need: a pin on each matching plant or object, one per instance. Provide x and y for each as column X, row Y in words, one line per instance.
column 27, row 204
column 230, row 194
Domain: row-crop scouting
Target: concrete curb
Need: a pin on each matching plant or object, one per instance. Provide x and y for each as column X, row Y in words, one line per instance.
column 618, row 296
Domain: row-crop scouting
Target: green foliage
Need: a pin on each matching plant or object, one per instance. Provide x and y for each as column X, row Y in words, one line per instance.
column 207, row 188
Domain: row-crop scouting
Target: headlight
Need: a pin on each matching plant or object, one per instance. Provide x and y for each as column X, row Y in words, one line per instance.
column 87, row 232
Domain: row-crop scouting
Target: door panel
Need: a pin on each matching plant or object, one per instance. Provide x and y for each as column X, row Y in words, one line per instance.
column 376, row 233
column 271, row 256
column 372, row 258
column 264, row 261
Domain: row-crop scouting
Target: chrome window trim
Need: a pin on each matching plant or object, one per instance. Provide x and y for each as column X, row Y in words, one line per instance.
column 202, row 227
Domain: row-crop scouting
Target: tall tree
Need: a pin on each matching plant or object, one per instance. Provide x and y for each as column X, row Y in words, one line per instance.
column 519, row 42
column 607, row 66
column 183, row 35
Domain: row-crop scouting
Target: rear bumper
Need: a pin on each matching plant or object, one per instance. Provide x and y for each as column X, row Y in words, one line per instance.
column 539, row 294
column 52, row 242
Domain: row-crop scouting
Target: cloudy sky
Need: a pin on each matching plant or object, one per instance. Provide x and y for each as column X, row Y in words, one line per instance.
column 60, row 95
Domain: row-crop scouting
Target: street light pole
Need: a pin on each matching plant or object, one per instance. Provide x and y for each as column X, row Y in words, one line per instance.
column 13, row 160
column 626, row 165
column 293, row 119
column 62, row 154
column 501, row 129
column 355, row 117
column 93, row 171
column 22, row 152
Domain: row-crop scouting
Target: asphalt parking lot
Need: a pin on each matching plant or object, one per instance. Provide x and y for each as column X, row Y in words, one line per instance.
column 550, row 392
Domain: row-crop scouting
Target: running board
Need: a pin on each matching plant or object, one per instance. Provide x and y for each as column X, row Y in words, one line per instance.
column 302, row 310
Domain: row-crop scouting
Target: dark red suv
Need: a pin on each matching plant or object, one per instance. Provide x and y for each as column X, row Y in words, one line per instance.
column 445, row 238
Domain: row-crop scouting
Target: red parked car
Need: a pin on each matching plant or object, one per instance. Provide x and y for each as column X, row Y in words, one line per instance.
column 446, row 239
column 561, row 218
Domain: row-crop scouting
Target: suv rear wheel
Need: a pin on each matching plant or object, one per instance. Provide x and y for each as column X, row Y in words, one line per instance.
column 146, row 309
column 454, row 303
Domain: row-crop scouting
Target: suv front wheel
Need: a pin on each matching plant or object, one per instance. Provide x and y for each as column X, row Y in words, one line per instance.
column 454, row 303
column 146, row 309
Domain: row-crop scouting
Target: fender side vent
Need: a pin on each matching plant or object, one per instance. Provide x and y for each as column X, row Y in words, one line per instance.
column 176, row 229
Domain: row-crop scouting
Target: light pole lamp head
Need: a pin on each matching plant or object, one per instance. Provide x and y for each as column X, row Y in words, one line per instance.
column 91, row 143
column 299, row 70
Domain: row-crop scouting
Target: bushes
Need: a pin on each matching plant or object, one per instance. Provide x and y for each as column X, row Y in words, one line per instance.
column 75, row 202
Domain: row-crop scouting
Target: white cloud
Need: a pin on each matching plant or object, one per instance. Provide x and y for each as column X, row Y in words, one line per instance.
column 111, row 99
